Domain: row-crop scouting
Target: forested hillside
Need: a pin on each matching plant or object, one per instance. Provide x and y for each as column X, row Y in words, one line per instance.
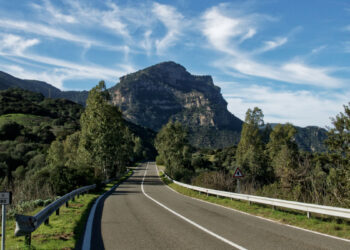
column 48, row 147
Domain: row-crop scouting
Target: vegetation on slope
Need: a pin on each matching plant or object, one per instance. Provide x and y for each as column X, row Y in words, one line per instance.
column 273, row 164
column 43, row 152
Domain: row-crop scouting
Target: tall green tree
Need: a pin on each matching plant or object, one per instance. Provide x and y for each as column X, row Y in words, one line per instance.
column 283, row 154
column 250, row 150
column 102, row 134
column 338, row 143
column 175, row 151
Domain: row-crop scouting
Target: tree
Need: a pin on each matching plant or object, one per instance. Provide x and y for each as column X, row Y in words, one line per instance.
column 250, row 150
column 10, row 130
column 338, row 143
column 174, row 150
column 102, row 134
column 283, row 154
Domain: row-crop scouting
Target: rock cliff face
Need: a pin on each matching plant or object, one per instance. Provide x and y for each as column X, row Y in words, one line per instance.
column 166, row 91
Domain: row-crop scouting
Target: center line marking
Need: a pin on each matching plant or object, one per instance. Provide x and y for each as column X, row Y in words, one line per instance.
column 188, row 220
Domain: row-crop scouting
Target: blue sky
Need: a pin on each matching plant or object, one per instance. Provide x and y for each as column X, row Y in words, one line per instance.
column 290, row 58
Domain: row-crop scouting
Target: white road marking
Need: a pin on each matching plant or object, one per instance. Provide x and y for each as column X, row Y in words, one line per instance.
column 188, row 220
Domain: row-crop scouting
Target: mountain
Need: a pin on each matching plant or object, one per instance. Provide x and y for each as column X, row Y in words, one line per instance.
column 166, row 91
column 8, row 81
column 310, row 138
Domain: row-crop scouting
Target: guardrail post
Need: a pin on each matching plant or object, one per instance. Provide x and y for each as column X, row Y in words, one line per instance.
column 308, row 214
column 67, row 204
column 58, row 211
column 46, row 221
column 73, row 199
column 28, row 239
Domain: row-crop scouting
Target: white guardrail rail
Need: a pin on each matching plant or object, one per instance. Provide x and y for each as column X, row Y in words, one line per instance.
column 25, row 225
column 306, row 207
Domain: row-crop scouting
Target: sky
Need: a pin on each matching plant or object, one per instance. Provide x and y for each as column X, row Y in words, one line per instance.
column 289, row 58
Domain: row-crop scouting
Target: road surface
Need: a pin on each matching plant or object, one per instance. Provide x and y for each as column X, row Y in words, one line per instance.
column 143, row 213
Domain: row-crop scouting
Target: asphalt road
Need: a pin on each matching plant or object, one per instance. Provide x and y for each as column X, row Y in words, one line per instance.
column 143, row 213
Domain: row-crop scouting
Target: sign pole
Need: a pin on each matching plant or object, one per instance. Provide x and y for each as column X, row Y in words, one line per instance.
column 238, row 186
column 3, row 227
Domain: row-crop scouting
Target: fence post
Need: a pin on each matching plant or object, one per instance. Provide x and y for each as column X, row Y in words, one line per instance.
column 3, row 227
column 28, row 239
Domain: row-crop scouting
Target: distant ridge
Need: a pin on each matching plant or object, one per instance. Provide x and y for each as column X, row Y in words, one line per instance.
column 49, row 91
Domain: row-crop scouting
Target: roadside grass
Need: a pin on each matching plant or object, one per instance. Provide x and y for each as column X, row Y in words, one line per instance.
column 64, row 231
column 323, row 224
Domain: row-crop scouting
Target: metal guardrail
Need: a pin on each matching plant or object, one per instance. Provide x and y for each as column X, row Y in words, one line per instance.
column 25, row 225
column 306, row 207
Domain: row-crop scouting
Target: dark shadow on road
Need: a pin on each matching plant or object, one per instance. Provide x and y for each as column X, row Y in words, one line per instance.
column 97, row 240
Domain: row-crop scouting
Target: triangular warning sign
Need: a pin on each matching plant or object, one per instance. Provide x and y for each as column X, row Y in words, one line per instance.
column 238, row 173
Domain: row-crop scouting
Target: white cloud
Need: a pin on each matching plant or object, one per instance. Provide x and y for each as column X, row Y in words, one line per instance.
column 174, row 23
column 302, row 108
column 53, row 13
column 318, row 49
column 111, row 20
column 225, row 34
column 146, row 44
column 43, row 30
column 16, row 44
column 56, row 71
column 270, row 45
column 290, row 72
column 54, row 32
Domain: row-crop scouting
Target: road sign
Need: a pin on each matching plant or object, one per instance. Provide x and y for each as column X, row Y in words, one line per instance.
column 5, row 198
column 238, row 173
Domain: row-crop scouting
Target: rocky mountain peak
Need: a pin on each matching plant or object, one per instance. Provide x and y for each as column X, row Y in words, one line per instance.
column 167, row 91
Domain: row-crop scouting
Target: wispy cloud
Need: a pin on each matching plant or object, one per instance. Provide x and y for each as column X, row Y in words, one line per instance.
column 14, row 47
column 16, row 44
column 290, row 72
column 172, row 20
column 318, row 49
column 44, row 30
column 54, row 14
column 273, row 44
column 224, row 33
column 302, row 108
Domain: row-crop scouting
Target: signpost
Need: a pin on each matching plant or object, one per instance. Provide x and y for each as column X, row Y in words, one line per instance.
column 5, row 199
column 238, row 174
